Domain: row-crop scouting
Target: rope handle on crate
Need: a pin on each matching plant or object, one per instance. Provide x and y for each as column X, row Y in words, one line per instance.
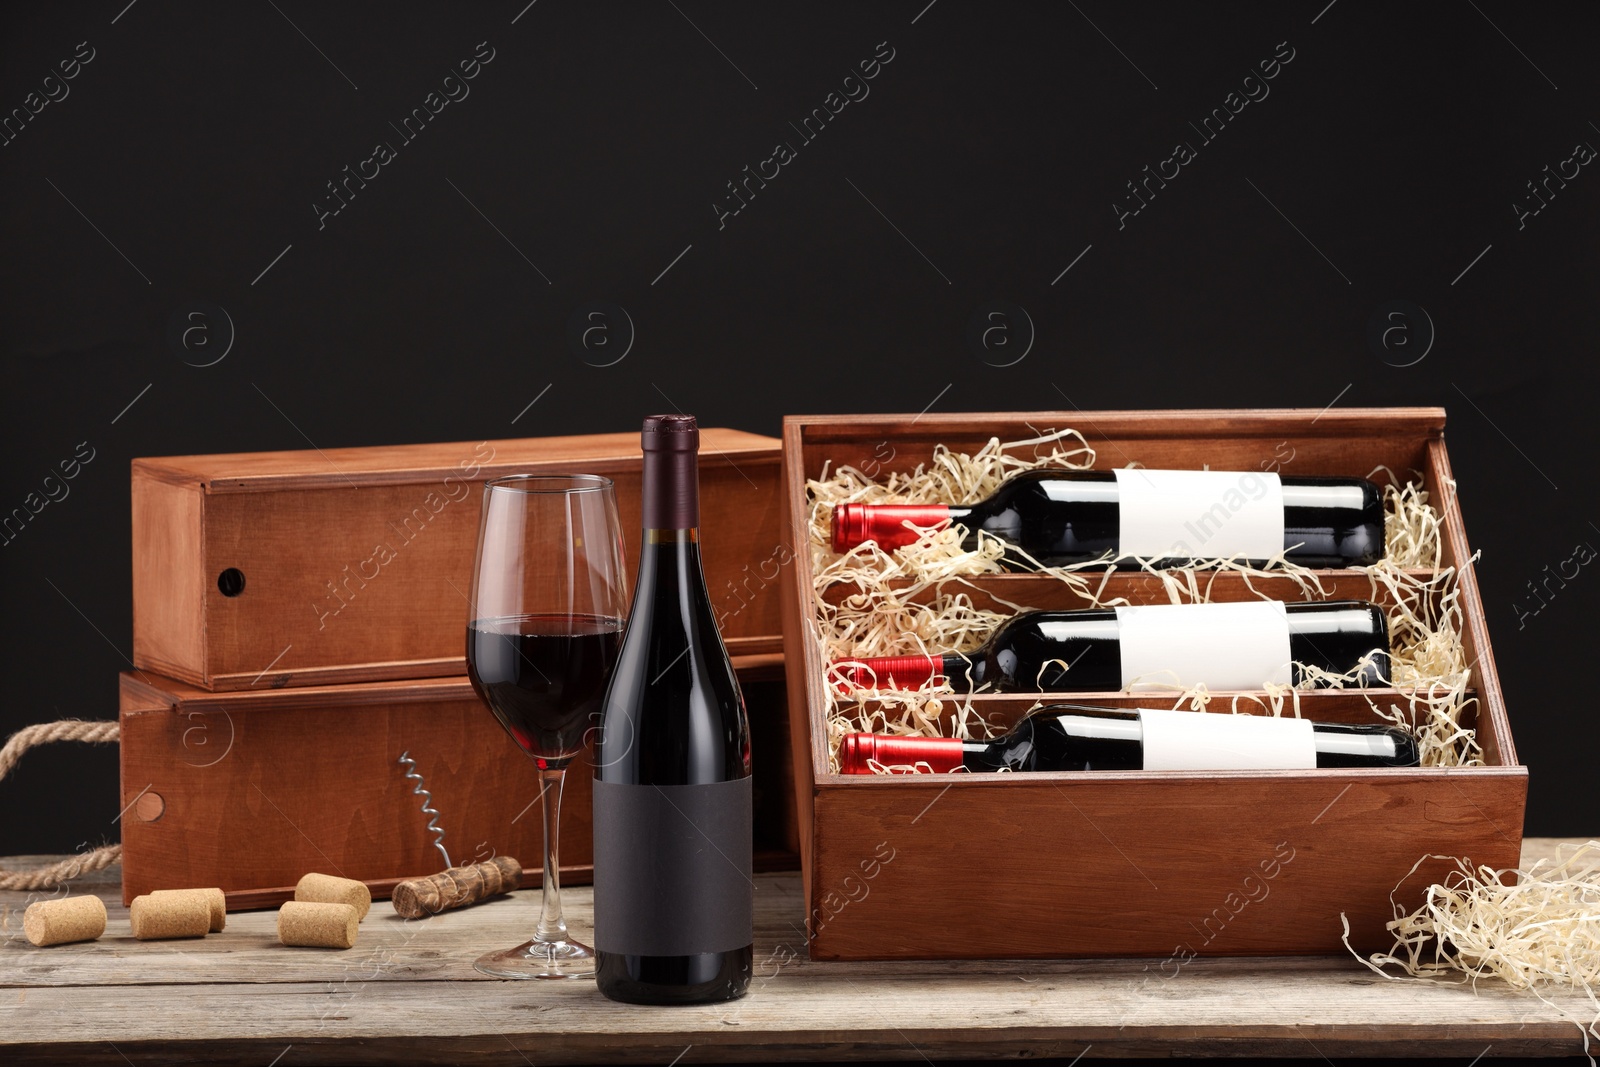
column 41, row 734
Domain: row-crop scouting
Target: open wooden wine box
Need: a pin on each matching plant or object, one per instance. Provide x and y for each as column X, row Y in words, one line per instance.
column 265, row 569
column 1170, row 864
column 248, row 790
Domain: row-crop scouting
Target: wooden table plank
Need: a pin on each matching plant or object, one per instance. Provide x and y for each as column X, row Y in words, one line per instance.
column 407, row 993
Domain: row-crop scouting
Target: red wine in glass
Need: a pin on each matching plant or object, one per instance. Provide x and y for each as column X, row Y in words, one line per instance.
column 544, row 625
column 543, row 676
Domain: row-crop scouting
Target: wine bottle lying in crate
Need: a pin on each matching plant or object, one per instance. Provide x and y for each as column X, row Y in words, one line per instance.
column 1243, row 645
column 1082, row 737
column 1172, row 518
column 1137, row 861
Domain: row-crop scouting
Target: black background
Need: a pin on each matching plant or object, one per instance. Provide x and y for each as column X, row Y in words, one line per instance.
column 986, row 158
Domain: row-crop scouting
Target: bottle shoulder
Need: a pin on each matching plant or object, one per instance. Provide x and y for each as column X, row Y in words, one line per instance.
column 1060, row 474
column 1036, row 483
column 1347, row 616
column 674, row 713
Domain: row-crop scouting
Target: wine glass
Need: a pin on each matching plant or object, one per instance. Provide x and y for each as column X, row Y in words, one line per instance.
column 549, row 596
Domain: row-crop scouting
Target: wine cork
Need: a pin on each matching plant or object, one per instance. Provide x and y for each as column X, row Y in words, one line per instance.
column 456, row 887
column 326, row 889
column 59, row 922
column 312, row 924
column 216, row 903
column 177, row 915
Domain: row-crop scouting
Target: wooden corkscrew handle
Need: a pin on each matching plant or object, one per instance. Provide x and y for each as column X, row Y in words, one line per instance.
column 417, row 898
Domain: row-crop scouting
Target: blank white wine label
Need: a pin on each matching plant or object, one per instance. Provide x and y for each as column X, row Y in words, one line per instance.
column 1199, row 514
column 1222, row 646
column 1213, row 741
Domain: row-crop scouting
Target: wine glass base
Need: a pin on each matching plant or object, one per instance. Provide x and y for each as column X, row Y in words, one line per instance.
column 540, row 959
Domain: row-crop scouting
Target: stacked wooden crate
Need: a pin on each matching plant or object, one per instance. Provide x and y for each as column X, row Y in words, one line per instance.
column 300, row 622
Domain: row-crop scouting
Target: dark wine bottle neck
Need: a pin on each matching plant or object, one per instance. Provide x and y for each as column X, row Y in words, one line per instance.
column 671, row 491
column 965, row 672
column 670, row 570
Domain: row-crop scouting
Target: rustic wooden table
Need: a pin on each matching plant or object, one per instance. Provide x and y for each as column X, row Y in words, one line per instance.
column 407, row 993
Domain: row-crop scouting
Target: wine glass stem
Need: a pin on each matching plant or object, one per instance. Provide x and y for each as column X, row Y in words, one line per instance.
column 552, row 925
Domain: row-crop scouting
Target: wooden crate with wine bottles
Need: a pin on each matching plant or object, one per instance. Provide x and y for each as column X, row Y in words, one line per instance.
column 1164, row 684
column 300, row 620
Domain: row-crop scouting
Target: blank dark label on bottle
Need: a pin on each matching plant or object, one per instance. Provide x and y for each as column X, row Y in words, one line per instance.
column 672, row 868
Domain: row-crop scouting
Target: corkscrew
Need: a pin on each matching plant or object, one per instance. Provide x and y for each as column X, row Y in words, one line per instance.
column 427, row 805
column 453, row 887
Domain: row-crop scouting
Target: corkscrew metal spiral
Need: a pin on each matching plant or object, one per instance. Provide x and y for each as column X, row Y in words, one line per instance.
column 427, row 805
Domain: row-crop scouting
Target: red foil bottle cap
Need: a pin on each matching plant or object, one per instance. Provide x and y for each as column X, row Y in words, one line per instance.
column 907, row 672
column 943, row 754
column 849, row 526
column 854, row 524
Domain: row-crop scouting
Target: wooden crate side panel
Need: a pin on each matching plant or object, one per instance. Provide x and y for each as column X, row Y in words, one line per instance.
column 1495, row 734
column 323, row 761
column 430, row 462
column 1208, row 865
column 256, row 799
column 138, row 692
column 743, row 549
column 1288, row 442
column 340, row 577
column 347, row 586
column 168, row 577
column 800, row 633
column 1285, row 453
column 1440, row 483
column 1132, row 423
column 194, row 698
column 800, row 654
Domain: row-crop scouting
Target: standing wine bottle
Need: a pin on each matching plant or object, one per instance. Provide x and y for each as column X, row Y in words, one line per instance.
column 1223, row 646
column 673, row 895
column 1077, row 737
column 1061, row 517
